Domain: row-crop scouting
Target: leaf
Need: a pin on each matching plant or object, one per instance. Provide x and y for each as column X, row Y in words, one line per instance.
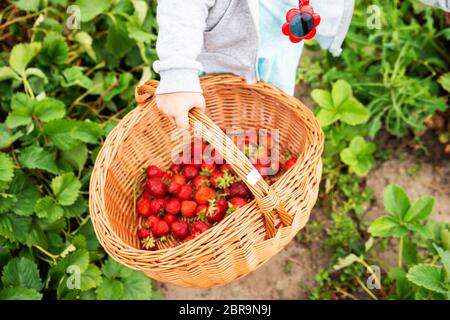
column 79, row 258
column 76, row 157
column 136, row 32
column 50, row 109
column 76, row 209
column 122, row 85
column 346, row 261
column 111, row 269
column 327, row 117
column 7, row 73
column 386, row 226
column 60, row 133
column 420, row 210
column 27, row 5
column 37, row 158
column 353, row 112
column 29, row 72
column 85, row 41
column 22, row 54
column 21, row 110
column 443, row 80
column 6, row 227
column 118, row 41
column 140, row 10
column 6, row 138
column 426, row 276
column 55, row 50
column 341, row 92
column 137, row 286
column 396, row 201
column 66, row 188
column 91, row 278
column 90, row 9
column 46, row 208
column 6, row 168
column 445, row 257
column 88, row 132
column 26, row 194
column 74, row 77
column 18, row 293
column 445, row 237
column 21, row 272
column 109, row 289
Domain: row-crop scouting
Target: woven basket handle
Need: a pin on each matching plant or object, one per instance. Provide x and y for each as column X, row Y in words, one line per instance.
column 265, row 196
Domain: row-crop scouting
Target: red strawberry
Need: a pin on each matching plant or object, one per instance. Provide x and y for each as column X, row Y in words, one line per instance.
column 217, row 210
column 176, row 168
column 191, row 236
column 170, row 218
column 173, row 187
column 226, row 167
column 201, row 211
column 221, row 180
column 143, row 207
column 204, row 194
column 199, row 227
column 156, row 187
column 157, row 206
column 185, row 192
column 239, row 189
column 235, row 204
column 197, row 149
column 152, row 220
column 146, row 195
column 180, row 229
column 166, row 175
column 208, row 168
column 290, row 163
column 148, row 243
column 161, row 229
column 179, row 178
column 200, row 181
column 190, row 172
column 144, row 233
column 173, row 206
column 188, row 208
column 261, row 168
column 214, row 179
column 154, row 172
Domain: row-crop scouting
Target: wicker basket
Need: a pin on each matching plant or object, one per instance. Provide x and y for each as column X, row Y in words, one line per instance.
column 244, row 240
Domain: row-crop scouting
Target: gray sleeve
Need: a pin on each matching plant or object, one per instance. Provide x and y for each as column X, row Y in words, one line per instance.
column 442, row 4
column 180, row 39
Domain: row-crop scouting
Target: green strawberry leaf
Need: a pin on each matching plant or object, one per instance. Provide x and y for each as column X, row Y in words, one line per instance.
column 25, row 193
column 37, row 158
column 109, row 289
column 18, row 293
column 137, row 286
column 46, row 208
column 73, row 76
column 444, row 81
column 49, row 109
column 6, row 73
column 322, row 98
column 341, row 92
column 6, row 137
column 76, row 157
column 386, row 226
column 420, row 210
column 90, row 9
column 55, row 50
column 21, row 111
column 85, row 41
column 66, row 188
column 396, row 201
column 427, row 276
column 6, row 169
column 22, row 54
column 27, row 5
column 21, row 272
column 353, row 112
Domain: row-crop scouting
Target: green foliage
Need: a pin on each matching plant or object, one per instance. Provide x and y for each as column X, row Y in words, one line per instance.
column 61, row 91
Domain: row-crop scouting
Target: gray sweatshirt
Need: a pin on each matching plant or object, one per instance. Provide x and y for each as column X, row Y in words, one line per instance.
column 222, row 36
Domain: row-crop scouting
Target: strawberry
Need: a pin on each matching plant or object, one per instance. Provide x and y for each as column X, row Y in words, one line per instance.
column 173, row 206
column 261, row 168
column 190, row 172
column 197, row 149
column 156, row 187
column 204, row 194
column 173, row 187
column 201, row 211
column 179, row 178
column 143, row 207
column 185, row 192
column 144, row 233
column 217, row 210
column 146, row 195
column 226, row 167
column 170, row 218
column 207, row 169
column 221, row 180
column 157, row 206
column 188, row 208
column 154, row 172
column 290, row 163
column 148, row 243
column 180, row 229
column 191, row 236
column 200, row 181
column 239, row 189
column 235, row 204
column 199, row 227
column 152, row 220
column 176, row 168
column 161, row 229
column 184, row 158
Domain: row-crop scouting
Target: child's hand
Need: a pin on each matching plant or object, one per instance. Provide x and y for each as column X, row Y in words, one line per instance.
column 176, row 106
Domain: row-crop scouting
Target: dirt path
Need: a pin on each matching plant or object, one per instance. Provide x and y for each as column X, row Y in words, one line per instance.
column 290, row 275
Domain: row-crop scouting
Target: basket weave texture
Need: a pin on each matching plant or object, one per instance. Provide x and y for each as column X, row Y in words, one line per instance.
column 245, row 239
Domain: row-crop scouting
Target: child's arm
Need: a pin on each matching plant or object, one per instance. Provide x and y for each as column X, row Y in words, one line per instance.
column 180, row 39
column 442, row 4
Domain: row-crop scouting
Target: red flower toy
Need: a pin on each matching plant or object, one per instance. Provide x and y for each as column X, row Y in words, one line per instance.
column 301, row 23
